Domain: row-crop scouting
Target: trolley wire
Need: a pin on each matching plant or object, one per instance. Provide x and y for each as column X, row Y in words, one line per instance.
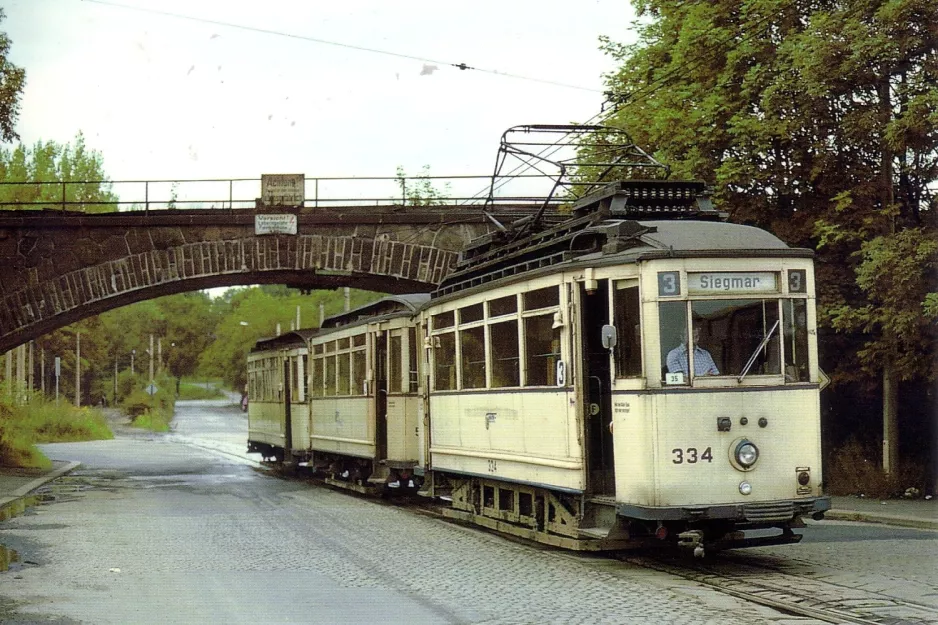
column 643, row 93
column 460, row 66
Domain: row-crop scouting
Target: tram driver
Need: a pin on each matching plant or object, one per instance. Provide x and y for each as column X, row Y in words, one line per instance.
column 703, row 362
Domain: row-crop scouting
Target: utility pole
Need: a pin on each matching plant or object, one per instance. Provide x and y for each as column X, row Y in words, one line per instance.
column 322, row 313
column 115, row 379
column 78, row 369
column 151, row 359
column 348, row 299
column 159, row 353
column 21, row 374
column 42, row 371
column 8, row 378
column 31, row 368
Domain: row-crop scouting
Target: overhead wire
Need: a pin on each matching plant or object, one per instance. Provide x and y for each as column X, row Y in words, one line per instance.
column 644, row 92
column 460, row 66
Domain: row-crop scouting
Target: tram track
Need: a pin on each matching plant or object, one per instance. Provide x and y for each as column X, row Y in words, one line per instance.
column 798, row 595
column 754, row 582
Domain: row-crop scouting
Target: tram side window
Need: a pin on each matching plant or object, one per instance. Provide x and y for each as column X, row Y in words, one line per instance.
column 318, row 375
column 503, row 338
column 732, row 331
column 542, row 350
column 394, row 369
column 345, row 378
column 672, row 321
column 473, row 357
column 629, row 344
column 444, row 362
column 330, row 376
column 413, row 377
column 795, row 315
column 358, row 372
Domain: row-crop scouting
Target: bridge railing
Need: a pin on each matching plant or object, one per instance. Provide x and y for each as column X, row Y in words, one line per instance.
column 245, row 193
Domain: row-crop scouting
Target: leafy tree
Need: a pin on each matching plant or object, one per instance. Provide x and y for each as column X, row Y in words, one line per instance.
column 255, row 313
column 68, row 173
column 12, row 81
column 818, row 121
column 419, row 190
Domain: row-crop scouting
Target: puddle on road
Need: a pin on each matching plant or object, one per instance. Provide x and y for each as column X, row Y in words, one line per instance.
column 7, row 557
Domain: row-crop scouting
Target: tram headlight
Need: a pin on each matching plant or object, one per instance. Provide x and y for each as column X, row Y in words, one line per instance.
column 746, row 453
column 745, row 488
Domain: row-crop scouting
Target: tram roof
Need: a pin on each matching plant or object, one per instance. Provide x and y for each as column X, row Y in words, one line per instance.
column 292, row 338
column 391, row 305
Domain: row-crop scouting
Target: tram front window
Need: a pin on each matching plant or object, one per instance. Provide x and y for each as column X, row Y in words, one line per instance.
column 728, row 336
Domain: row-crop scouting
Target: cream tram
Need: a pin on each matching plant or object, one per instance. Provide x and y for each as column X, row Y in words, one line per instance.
column 278, row 411
column 618, row 378
column 636, row 372
column 363, row 400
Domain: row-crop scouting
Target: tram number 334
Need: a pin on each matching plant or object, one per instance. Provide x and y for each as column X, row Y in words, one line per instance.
column 690, row 455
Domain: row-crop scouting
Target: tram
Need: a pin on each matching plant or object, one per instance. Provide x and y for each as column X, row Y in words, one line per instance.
column 636, row 372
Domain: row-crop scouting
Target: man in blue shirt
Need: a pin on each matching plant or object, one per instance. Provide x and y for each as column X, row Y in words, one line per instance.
column 703, row 362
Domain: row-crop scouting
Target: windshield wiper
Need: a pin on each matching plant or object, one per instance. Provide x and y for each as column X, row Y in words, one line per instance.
column 752, row 358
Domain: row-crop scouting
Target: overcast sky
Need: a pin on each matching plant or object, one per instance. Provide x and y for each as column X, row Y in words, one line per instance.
column 175, row 89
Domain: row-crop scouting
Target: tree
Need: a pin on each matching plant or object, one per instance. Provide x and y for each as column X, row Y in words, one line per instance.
column 255, row 313
column 818, row 121
column 419, row 190
column 12, row 81
column 68, row 173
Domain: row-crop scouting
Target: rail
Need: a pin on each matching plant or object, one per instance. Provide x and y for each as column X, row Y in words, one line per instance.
column 245, row 193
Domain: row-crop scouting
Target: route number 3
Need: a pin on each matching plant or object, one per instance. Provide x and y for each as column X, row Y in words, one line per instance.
column 669, row 283
column 690, row 456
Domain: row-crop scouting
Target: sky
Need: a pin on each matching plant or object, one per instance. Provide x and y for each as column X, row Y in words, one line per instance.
column 200, row 89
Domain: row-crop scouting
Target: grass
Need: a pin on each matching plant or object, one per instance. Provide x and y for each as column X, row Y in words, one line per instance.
column 41, row 421
column 193, row 390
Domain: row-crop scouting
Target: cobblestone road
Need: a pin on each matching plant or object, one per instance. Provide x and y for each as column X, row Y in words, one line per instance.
column 152, row 530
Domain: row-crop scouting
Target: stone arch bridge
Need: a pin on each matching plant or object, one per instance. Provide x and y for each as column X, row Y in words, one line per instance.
column 59, row 267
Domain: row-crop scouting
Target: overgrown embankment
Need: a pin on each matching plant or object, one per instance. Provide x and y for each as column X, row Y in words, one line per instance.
column 35, row 420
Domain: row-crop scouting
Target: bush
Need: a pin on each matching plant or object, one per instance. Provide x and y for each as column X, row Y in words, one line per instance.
column 151, row 412
column 856, row 469
column 43, row 421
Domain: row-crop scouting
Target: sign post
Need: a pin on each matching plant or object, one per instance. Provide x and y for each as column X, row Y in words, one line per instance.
column 58, row 372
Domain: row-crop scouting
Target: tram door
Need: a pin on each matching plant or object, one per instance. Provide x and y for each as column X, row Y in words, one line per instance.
column 598, row 385
column 287, row 415
column 381, row 395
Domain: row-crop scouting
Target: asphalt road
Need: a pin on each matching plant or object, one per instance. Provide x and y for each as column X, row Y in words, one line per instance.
column 186, row 528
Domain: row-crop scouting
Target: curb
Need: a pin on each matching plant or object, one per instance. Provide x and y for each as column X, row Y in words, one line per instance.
column 16, row 503
column 864, row 517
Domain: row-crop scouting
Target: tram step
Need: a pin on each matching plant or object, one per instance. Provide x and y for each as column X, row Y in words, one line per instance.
column 594, row 532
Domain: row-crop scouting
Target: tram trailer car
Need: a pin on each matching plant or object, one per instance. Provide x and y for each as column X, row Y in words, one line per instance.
column 364, row 401
column 278, row 410
column 615, row 380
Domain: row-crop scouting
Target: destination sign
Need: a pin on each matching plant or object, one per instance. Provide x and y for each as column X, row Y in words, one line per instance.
column 717, row 282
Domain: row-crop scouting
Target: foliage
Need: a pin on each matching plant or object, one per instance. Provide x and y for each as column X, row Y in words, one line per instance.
column 854, row 469
column 44, row 421
column 192, row 391
column 151, row 412
column 419, row 190
column 12, row 81
column 53, row 165
column 255, row 313
column 817, row 121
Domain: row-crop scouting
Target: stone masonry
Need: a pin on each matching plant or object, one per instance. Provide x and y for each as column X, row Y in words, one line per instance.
column 57, row 268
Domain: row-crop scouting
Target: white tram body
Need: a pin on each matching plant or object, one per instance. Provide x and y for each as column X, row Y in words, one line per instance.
column 605, row 382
